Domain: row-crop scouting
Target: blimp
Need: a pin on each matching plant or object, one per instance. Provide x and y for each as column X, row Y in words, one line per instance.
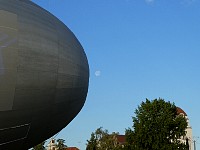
column 44, row 75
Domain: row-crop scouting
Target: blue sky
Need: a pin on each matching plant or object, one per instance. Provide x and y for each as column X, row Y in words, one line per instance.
column 136, row 49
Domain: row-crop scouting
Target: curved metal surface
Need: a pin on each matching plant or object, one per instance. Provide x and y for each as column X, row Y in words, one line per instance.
column 44, row 75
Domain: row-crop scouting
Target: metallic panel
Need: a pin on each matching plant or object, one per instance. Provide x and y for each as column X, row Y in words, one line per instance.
column 44, row 74
column 8, row 58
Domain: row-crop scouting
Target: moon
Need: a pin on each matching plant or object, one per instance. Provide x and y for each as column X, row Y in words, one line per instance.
column 97, row 73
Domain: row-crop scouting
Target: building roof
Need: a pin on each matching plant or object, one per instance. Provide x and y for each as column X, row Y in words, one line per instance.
column 180, row 111
column 121, row 139
column 72, row 148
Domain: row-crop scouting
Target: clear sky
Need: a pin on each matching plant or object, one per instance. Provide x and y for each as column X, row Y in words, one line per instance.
column 136, row 49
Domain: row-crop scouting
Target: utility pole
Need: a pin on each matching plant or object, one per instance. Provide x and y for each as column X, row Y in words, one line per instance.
column 194, row 145
column 195, row 138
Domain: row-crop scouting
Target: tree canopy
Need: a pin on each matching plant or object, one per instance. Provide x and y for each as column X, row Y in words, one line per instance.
column 102, row 140
column 156, row 126
column 61, row 144
column 39, row 146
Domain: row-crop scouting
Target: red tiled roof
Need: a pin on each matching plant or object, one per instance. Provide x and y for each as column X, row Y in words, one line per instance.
column 72, row 148
column 180, row 111
column 121, row 139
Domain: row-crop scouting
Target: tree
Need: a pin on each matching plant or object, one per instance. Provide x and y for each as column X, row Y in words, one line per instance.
column 39, row 146
column 61, row 144
column 92, row 143
column 156, row 126
column 129, row 140
column 102, row 140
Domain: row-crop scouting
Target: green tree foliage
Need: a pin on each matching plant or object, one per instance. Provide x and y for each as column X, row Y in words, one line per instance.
column 156, row 126
column 61, row 144
column 102, row 140
column 39, row 146
column 92, row 143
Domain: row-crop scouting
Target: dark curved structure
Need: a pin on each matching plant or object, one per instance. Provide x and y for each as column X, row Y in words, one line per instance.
column 44, row 75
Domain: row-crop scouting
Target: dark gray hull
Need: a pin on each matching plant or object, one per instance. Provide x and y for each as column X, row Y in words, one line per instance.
column 44, row 75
